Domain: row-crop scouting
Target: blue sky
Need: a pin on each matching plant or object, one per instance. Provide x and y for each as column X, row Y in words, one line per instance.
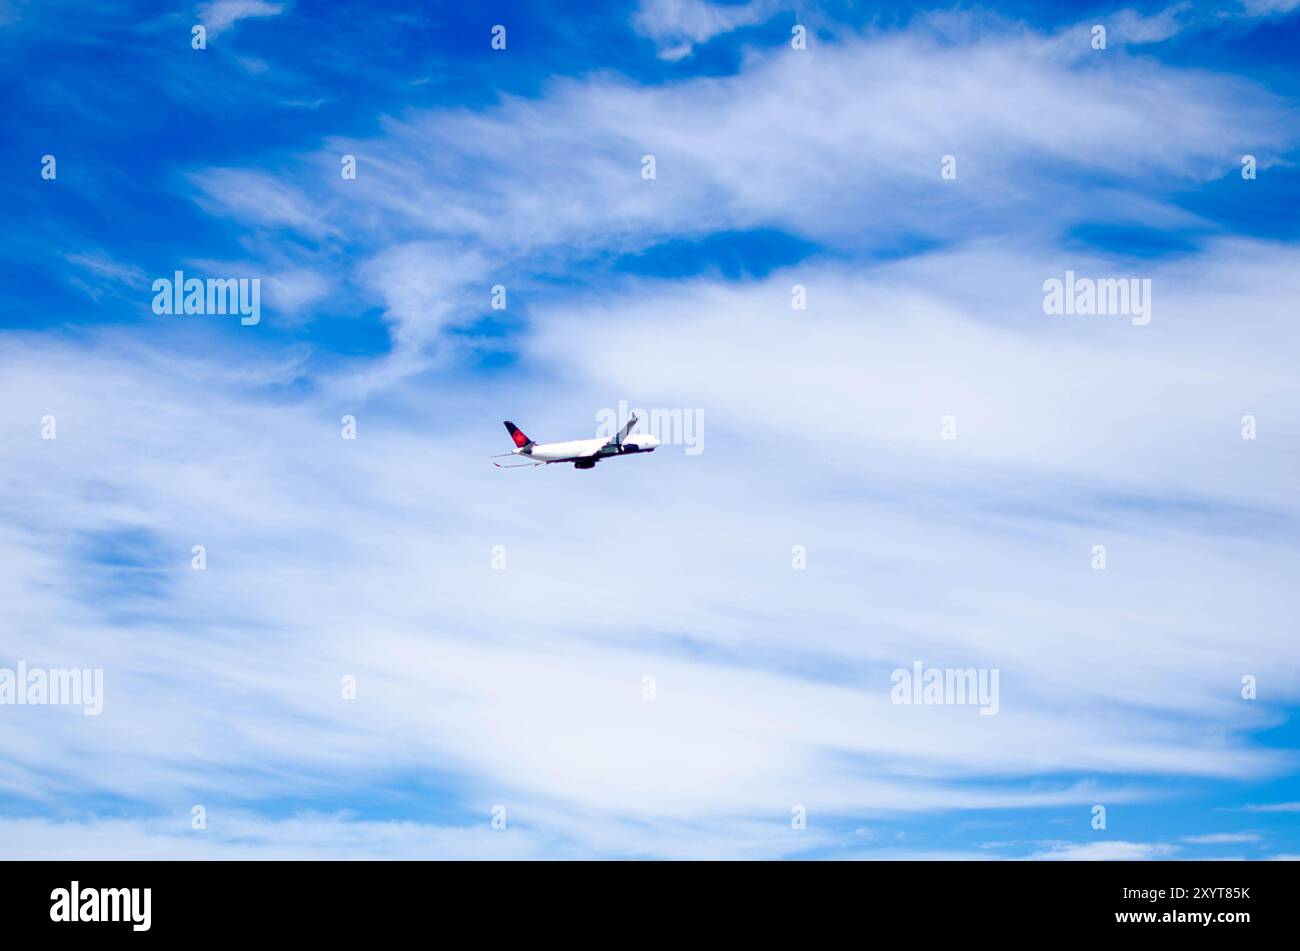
column 522, row 687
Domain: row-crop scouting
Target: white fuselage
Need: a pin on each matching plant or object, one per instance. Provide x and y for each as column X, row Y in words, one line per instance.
column 551, row 451
column 587, row 448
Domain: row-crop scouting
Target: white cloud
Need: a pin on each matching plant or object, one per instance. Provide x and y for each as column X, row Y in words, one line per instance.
column 238, row 835
column 1273, row 807
column 96, row 273
column 421, row 283
column 371, row 558
column 1269, row 7
column 541, row 187
column 1108, row 851
column 105, row 268
column 295, row 290
column 1129, row 26
column 289, row 291
column 1221, row 838
column 262, row 199
column 679, row 25
column 563, row 173
column 219, row 15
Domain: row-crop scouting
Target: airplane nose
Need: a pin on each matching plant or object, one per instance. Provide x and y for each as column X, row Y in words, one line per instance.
column 641, row 442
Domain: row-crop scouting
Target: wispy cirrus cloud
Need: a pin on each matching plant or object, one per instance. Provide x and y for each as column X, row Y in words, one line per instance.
column 844, row 748
column 1272, row 807
column 96, row 274
column 1222, row 838
column 548, row 186
column 1109, row 851
column 220, row 15
column 678, row 26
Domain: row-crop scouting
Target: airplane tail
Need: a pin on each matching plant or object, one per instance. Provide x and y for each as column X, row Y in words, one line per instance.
column 517, row 434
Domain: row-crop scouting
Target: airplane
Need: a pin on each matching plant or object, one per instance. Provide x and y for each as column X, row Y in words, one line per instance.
column 583, row 453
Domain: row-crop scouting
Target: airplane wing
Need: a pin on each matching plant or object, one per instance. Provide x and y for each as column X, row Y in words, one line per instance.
column 618, row 437
column 521, row 465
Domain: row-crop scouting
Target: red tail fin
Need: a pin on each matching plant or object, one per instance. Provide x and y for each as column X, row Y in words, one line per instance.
column 517, row 435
